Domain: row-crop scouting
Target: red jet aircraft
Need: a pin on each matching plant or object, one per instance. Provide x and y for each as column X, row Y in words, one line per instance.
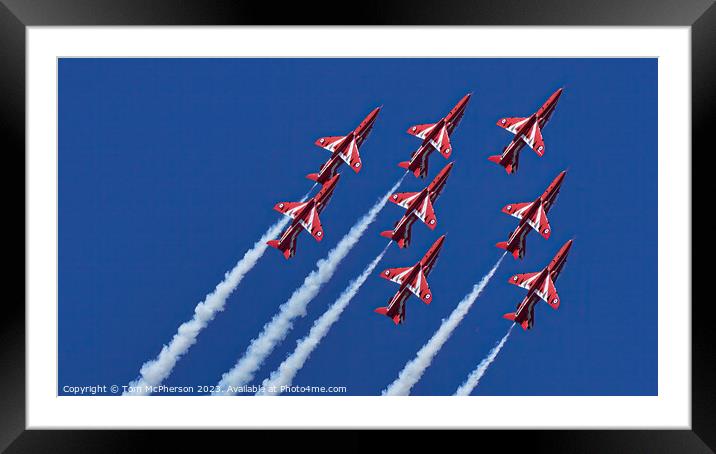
column 418, row 205
column 305, row 216
column 531, row 215
column 344, row 149
column 540, row 286
column 527, row 131
column 435, row 136
column 411, row 280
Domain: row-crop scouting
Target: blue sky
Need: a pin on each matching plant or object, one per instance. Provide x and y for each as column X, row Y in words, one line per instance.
column 169, row 169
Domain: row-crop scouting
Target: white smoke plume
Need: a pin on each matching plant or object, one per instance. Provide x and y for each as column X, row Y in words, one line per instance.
column 283, row 376
column 276, row 330
column 414, row 369
column 155, row 371
column 474, row 378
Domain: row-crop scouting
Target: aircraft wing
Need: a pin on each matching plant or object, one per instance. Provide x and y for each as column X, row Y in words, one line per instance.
column 517, row 210
column 548, row 293
column 312, row 223
column 403, row 199
column 329, row 143
column 351, row 156
column 290, row 209
column 419, row 287
column 421, row 130
column 523, row 280
column 511, row 124
column 396, row 275
column 426, row 213
column 539, row 222
column 442, row 142
column 534, row 139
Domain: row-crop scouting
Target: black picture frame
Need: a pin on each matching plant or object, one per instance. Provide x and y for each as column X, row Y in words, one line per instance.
column 16, row 15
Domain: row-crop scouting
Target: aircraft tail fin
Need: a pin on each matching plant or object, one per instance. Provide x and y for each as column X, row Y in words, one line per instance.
column 497, row 159
column 384, row 311
column 387, row 234
column 404, row 164
column 287, row 252
column 312, row 177
column 525, row 324
column 516, row 252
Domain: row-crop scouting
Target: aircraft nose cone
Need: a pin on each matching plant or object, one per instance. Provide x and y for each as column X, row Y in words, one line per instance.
column 439, row 242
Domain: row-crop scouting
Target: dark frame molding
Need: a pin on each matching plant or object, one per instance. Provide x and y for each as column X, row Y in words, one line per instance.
column 16, row 15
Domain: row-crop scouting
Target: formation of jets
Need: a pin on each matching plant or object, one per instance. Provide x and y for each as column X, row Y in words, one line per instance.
column 420, row 205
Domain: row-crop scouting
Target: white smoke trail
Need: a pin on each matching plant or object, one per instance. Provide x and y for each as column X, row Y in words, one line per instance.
column 276, row 330
column 283, row 376
column 155, row 371
column 414, row 369
column 474, row 378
